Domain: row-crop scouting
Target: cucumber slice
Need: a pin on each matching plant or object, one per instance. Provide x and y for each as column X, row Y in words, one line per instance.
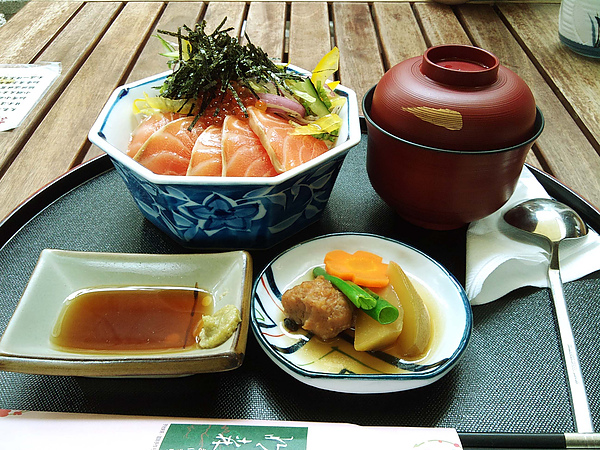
column 307, row 94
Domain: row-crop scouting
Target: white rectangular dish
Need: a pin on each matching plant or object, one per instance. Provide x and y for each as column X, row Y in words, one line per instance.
column 26, row 345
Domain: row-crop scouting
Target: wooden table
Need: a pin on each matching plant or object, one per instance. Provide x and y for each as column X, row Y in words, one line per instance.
column 102, row 45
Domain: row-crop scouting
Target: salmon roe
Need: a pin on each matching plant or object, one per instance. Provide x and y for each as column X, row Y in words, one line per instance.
column 219, row 107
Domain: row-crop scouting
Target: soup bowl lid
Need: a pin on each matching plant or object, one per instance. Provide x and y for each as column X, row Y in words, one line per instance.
column 455, row 97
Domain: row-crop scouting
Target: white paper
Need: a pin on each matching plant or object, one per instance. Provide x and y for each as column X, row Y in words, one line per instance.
column 498, row 263
column 66, row 431
column 21, row 87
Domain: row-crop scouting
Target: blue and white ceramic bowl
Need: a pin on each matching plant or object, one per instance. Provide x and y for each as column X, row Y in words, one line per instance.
column 335, row 365
column 223, row 213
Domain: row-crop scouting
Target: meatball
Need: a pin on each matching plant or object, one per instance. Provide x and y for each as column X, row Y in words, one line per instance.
column 319, row 307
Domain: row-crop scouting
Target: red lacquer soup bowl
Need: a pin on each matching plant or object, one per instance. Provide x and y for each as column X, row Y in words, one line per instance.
column 440, row 188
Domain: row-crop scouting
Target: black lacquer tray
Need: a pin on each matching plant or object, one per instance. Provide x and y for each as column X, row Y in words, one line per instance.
column 511, row 378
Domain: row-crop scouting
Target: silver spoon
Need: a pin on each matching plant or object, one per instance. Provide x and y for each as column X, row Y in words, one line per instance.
column 556, row 222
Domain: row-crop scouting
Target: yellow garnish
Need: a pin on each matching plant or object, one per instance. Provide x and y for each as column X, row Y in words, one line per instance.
column 173, row 52
column 186, row 49
column 326, row 124
column 326, row 67
column 337, row 103
column 151, row 105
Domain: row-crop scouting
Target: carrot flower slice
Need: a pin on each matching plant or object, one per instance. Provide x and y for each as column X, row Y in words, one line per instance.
column 362, row 268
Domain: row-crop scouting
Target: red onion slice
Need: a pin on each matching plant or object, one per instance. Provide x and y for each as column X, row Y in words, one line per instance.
column 286, row 104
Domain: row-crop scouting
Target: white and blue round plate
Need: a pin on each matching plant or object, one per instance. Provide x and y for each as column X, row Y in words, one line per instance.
column 335, row 365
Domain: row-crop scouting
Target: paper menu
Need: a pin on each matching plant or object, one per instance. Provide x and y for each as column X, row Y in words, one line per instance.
column 66, row 431
column 21, row 87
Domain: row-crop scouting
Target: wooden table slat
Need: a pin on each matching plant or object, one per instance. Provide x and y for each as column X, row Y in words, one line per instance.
column 71, row 47
column 59, row 140
column 272, row 38
column 576, row 77
column 310, row 37
column 361, row 64
column 175, row 15
column 440, row 24
column 32, row 29
column 234, row 11
column 579, row 167
column 399, row 32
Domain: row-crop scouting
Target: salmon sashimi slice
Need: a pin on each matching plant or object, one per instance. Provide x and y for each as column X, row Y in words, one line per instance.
column 206, row 157
column 243, row 154
column 168, row 150
column 146, row 128
column 286, row 150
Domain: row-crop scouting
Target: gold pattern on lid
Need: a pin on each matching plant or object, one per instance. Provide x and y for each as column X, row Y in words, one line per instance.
column 442, row 117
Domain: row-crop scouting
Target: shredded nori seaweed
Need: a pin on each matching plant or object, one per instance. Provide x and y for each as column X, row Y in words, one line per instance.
column 217, row 63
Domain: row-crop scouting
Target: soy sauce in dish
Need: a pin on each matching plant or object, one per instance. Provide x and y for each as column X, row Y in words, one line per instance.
column 132, row 318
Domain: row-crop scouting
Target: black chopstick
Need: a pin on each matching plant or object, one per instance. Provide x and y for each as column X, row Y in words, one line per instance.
column 513, row 441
